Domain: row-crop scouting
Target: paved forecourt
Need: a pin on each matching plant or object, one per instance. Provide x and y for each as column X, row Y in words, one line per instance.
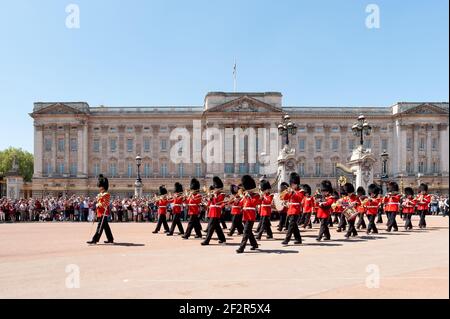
column 43, row 261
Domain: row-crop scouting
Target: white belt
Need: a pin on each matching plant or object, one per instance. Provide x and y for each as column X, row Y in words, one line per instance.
column 177, row 205
column 162, row 206
column 216, row 206
column 235, row 206
column 266, row 205
column 249, row 208
column 193, row 205
column 297, row 204
column 393, row 203
column 371, row 206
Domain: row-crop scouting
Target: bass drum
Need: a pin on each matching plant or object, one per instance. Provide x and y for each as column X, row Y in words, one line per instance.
column 350, row 214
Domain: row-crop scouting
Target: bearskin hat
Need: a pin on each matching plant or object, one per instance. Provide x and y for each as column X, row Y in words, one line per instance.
column 392, row 187
column 284, row 186
column 423, row 187
column 265, row 185
column 307, row 189
column 294, row 179
column 326, row 186
column 349, row 188
column 248, row 182
column 195, row 185
column 217, row 182
column 409, row 191
column 374, row 189
column 103, row 182
column 234, row 189
column 361, row 191
column 162, row 190
column 178, row 188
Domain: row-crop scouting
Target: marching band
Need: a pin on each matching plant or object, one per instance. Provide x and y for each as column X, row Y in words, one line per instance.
column 295, row 205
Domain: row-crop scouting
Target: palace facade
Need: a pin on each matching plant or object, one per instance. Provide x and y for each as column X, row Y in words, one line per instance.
column 75, row 142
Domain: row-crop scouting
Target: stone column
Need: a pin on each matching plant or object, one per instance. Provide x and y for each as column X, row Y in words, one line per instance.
column 80, row 150
column 443, row 136
column 67, row 149
column 38, row 150
column 85, row 160
column 54, row 150
column 416, row 148
column 429, row 151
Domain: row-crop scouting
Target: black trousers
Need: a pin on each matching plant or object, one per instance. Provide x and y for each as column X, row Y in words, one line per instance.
column 336, row 218
column 342, row 222
column 330, row 221
column 222, row 221
column 372, row 227
column 361, row 222
column 194, row 224
column 307, row 220
column 380, row 217
column 162, row 221
column 283, row 222
column 351, row 229
column 248, row 235
column 103, row 225
column 236, row 224
column 293, row 229
column 214, row 226
column 324, row 230
column 392, row 222
column 422, row 222
column 301, row 220
column 265, row 227
column 316, row 220
column 176, row 223
column 408, row 223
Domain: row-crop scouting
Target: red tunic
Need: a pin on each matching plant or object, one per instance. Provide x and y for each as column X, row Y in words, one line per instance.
column 294, row 202
column 236, row 206
column 177, row 205
column 392, row 203
column 266, row 205
column 372, row 205
column 193, row 203
column 162, row 206
column 308, row 204
column 408, row 205
column 103, row 201
column 324, row 209
column 361, row 208
column 216, row 205
column 423, row 202
column 249, row 204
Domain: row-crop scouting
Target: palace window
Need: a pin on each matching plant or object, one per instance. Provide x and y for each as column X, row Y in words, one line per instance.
column 113, row 130
column 146, row 129
column 113, row 170
column 302, row 129
column 243, row 168
column 422, row 144
column 409, row 169
column 435, row 167
column 351, row 145
column 335, row 129
column 147, row 145
column 96, row 169
column 130, row 170
column 198, row 170
column 147, row 170
column 384, row 145
column 130, row 145
column 61, row 145
column 73, row 169
column 48, row 169
column 301, row 145
column 335, row 144
column 163, row 145
column 421, row 167
column 434, row 144
column 409, row 143
column 164, row 170
column 130, row 130
column 318, row 169
column 73, row 145
column 319, row 129
column 181, row 170
column 61, row 168
column 113, row 145
column 96, row 145
column 229, row 168
column 318, row 145
column 48, row 144
column 301, row 169
column 368, row 143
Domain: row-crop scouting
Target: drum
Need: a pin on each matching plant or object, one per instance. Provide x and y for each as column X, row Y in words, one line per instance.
column 278, row 202
column 350, row 214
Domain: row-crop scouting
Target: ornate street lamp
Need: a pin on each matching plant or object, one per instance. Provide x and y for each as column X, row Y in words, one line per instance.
column 384, row 159
column 287, row 128
column 361, row 128
column 138, row 164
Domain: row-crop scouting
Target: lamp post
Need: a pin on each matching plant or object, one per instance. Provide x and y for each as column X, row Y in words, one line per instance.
column 419, row 176
column 361, row 128
column 138, row 185
column 384, row 173
column 286, row 128
column 402, row 184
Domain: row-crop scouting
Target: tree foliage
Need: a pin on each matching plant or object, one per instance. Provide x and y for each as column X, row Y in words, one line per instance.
column 24, row 160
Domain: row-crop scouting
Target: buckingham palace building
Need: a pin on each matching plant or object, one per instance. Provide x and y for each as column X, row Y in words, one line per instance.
column 74, row 142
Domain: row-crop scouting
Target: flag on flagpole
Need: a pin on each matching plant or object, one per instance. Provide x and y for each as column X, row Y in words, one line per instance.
column 235, row 74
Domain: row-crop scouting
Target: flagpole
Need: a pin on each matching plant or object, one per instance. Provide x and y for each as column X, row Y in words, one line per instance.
column 235, row 75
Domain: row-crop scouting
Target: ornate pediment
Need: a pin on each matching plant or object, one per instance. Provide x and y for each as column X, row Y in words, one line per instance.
column 59, row 108
column 426, row 108
column 245, row 104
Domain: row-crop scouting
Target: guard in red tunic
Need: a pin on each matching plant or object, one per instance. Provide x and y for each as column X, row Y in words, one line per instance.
column 351, row 201
column 193, row 202
column 250, row 202
column 372, row 205
column 294, row 198
column 283, row 213
column 408, row 205
column 177, row 208
column 423, row 204
column 162, row 203
column 361, row 192
column 324, row 210
column 308, row 205
column 265, row 210
column 103, row 212
column 392, row 206
column 216, row 204
column 236, row 210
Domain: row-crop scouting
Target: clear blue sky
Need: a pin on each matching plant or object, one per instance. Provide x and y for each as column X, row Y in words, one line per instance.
column 173, row 52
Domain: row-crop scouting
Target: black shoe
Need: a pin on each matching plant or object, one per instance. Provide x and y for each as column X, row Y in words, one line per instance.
column 205, row 243
column 297, row 242
column 154, row 232
column 180, row 234
column 198, row 237
column 222, row 241
column 258, row 238
column 169, row 234
column 109, row 242
column 91, row 242
column 269, row 237
column 339, row 230
column 184, row 237
column 285, row 243
column 347, row 236
column 230, row 235
column 240, row 251
column 166, row 232
column 318, row 239
column 327, row 239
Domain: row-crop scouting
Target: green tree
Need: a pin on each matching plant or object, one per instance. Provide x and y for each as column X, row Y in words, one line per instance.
column 24, row 160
